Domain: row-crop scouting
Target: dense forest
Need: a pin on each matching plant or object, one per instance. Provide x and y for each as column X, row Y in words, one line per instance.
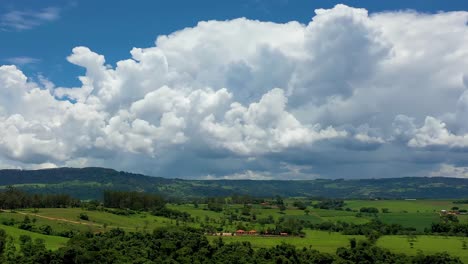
column 89, row 183
column 13, row 198
column 187, row 245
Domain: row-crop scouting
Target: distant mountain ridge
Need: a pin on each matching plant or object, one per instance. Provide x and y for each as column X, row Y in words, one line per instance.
column 89, row 183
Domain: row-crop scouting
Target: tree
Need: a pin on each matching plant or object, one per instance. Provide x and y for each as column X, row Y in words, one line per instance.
column 83, row 216
column 352, row 243
column 46, row 230
column 370, row 210
column 412, row 239
column 279, row 201
column 3, row 241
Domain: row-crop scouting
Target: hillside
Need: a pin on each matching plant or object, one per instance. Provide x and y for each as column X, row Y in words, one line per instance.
column 88, row 183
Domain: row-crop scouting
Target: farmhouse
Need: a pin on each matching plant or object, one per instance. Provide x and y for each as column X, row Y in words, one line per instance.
column 252, row 232
column 451, row 212
column 240, row 232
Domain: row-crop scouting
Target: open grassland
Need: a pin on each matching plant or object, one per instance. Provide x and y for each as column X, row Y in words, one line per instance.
column 338, row 215
column 57, row 225
column 416, row 220
column 314, row 216
column 68, row 219
column 401, row 206
column 427, row 244
column 51, row 242
column 401, row 212
column 319, row 240
column 196, row 212
column 330, row 241
column 109, row 220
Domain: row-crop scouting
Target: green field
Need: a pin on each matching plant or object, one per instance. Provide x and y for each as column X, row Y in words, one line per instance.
column 51, row 242
column 67, row 218
column 416, row 220
column 427, row 244
column 419, row 214
column 330, row 241
column 400, row 206
column 319, row 240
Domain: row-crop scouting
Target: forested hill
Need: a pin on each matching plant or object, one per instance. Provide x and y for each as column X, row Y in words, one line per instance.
column 89, row 183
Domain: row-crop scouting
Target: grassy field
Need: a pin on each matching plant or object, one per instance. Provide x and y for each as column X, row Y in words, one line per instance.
column 320, row 240
column 416, row 220
column 401, row 206
column 427, row 244
column 56, row 225
column 67, row 219
column 330, row 241
column 51, row 242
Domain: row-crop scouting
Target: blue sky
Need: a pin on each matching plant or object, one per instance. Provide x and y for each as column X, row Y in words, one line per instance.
column 241, row 89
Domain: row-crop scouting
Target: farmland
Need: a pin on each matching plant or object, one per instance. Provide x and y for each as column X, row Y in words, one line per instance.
column 51, row 242
column 320, row 240
column 416, row 214
column 426, row 244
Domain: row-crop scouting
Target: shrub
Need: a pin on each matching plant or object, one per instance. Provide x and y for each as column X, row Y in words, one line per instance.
column 83, row 216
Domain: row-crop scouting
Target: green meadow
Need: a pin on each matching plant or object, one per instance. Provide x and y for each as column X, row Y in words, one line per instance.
column 68, row 219
column 426, row 244
column 402, row 206
column 51, row 242
column 319, row 240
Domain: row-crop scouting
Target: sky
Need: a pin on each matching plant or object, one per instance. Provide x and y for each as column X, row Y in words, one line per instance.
column 248, row 89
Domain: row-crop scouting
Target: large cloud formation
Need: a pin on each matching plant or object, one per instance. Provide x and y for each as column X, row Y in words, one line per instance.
column 348, row 95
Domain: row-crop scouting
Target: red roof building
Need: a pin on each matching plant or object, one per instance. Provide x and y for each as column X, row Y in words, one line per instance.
column 240, row 232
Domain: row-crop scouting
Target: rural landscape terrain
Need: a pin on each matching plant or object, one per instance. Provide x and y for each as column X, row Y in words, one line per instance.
column 291, row 225
column 234, row 132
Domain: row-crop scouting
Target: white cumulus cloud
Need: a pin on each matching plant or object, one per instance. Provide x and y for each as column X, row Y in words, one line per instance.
column 350, row 94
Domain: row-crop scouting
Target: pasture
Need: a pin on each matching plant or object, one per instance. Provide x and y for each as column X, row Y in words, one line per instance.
column 426, row 244
column 402, row 206
column 51, row 242
column 61, row 219
column 320, row 240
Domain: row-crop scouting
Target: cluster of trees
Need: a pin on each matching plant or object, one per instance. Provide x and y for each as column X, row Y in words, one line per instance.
column 336, row 204
column 372, row 230
column 215, row 204
column 30, row 224
column 132, row 200
column 139, row 201
column 460, row 202
column 245, row 199
column 278, row 201
column 369, row 210
column 367, row 252
column 288, row 225
column 13, row 198
column 450, row 228
column 301, row 205
column 186, row 245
